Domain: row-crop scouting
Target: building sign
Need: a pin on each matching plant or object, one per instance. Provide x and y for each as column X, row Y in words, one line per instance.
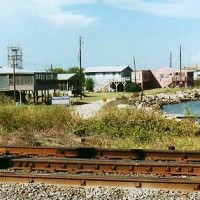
column 60, row 101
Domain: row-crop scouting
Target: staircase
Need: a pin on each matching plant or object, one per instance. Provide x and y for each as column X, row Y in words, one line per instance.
column 102, row 87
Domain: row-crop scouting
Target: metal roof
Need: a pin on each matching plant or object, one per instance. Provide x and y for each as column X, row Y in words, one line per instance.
column 106, row 69
column 193, row 67
column 65, row 76
column 9, row 70
column 167, row 68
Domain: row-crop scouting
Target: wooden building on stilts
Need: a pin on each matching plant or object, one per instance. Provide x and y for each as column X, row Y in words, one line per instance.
column 25, row 85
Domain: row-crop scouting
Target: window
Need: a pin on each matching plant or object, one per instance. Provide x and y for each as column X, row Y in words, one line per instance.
column 62, row 86
column 49, row 76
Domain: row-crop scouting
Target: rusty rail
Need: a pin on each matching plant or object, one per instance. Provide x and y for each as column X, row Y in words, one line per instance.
column 101, row 153
column 185, row 184
column 79, row 166
column 104, row 166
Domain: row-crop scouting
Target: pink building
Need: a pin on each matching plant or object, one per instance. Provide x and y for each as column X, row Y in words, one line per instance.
column 162, row 78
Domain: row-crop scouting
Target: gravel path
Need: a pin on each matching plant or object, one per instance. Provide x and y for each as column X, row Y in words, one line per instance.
column 89, row 110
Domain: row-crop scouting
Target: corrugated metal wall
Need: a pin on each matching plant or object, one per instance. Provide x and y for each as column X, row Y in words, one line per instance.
column 4, row 82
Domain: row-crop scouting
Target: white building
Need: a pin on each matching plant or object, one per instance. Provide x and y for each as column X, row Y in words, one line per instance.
column 109, row 78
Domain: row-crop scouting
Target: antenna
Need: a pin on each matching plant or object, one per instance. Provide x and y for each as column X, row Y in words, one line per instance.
column 15, row 56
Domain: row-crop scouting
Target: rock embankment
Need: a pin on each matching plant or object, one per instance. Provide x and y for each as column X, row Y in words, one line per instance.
column 158, row 100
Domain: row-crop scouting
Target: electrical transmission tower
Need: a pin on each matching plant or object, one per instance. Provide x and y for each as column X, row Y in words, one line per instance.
column 15, row 57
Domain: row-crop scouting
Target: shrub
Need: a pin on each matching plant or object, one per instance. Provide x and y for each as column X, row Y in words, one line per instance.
column 139, row 124
column 132, row 87
column 197, row 82
column 40, row 118
column 89, row 84
column 5, row 100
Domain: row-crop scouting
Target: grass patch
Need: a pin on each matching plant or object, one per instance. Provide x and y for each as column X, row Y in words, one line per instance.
column 90, row 97
column 164, row 90
column 35, row 118
column 111, row 127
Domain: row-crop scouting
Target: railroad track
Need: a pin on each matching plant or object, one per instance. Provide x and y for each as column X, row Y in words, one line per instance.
column 186, row 184
column 166, row 169
column 103, row 153
column 169, row 169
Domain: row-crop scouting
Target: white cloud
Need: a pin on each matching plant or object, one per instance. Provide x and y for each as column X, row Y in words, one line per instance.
column 17, row 11
column 167, row 8
column 51, row 10
column 70, row 19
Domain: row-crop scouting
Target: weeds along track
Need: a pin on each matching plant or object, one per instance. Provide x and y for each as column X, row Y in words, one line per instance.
column 135, row 168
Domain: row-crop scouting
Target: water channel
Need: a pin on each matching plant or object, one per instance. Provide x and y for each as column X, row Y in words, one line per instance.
column 191, row 107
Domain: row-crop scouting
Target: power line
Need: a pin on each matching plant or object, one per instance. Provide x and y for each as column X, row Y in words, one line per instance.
column 55, row 64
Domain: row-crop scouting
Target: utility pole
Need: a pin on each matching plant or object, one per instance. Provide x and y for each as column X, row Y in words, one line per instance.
column 180, row 65
column 15, row 61
column 170, row 60
column 80, row 66
column 134, row 69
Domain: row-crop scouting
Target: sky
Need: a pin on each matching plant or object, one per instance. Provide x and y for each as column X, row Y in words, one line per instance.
column 112, row 31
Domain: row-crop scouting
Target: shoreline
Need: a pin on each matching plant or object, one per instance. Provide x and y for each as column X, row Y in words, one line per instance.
column 156, row 102
column 159, row 100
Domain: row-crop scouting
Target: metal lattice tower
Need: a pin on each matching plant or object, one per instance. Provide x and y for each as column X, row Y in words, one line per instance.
column 15, row 57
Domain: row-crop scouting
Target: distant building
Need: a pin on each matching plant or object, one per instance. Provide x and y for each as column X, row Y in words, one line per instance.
column 195, row 69
column 162, row 78
column 24, row 82
column 68, row 82
column 109, row 78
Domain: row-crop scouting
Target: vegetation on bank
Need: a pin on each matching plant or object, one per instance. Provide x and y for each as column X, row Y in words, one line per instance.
column 94, row 96
column 136, row 128
column 111, row 127
column 165, row 90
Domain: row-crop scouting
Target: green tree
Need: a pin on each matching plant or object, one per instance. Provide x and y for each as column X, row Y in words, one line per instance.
column 74, row 70
column 71, row 70
column 132, row 87
column 57, row 70
column 89, row 84
column 197, row 82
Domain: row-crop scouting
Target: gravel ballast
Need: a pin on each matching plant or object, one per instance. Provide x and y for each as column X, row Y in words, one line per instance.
column 32, row 191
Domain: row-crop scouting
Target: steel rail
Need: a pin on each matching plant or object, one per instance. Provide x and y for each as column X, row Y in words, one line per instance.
column 185, row 184
column 102, row 153
column 105, row 166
